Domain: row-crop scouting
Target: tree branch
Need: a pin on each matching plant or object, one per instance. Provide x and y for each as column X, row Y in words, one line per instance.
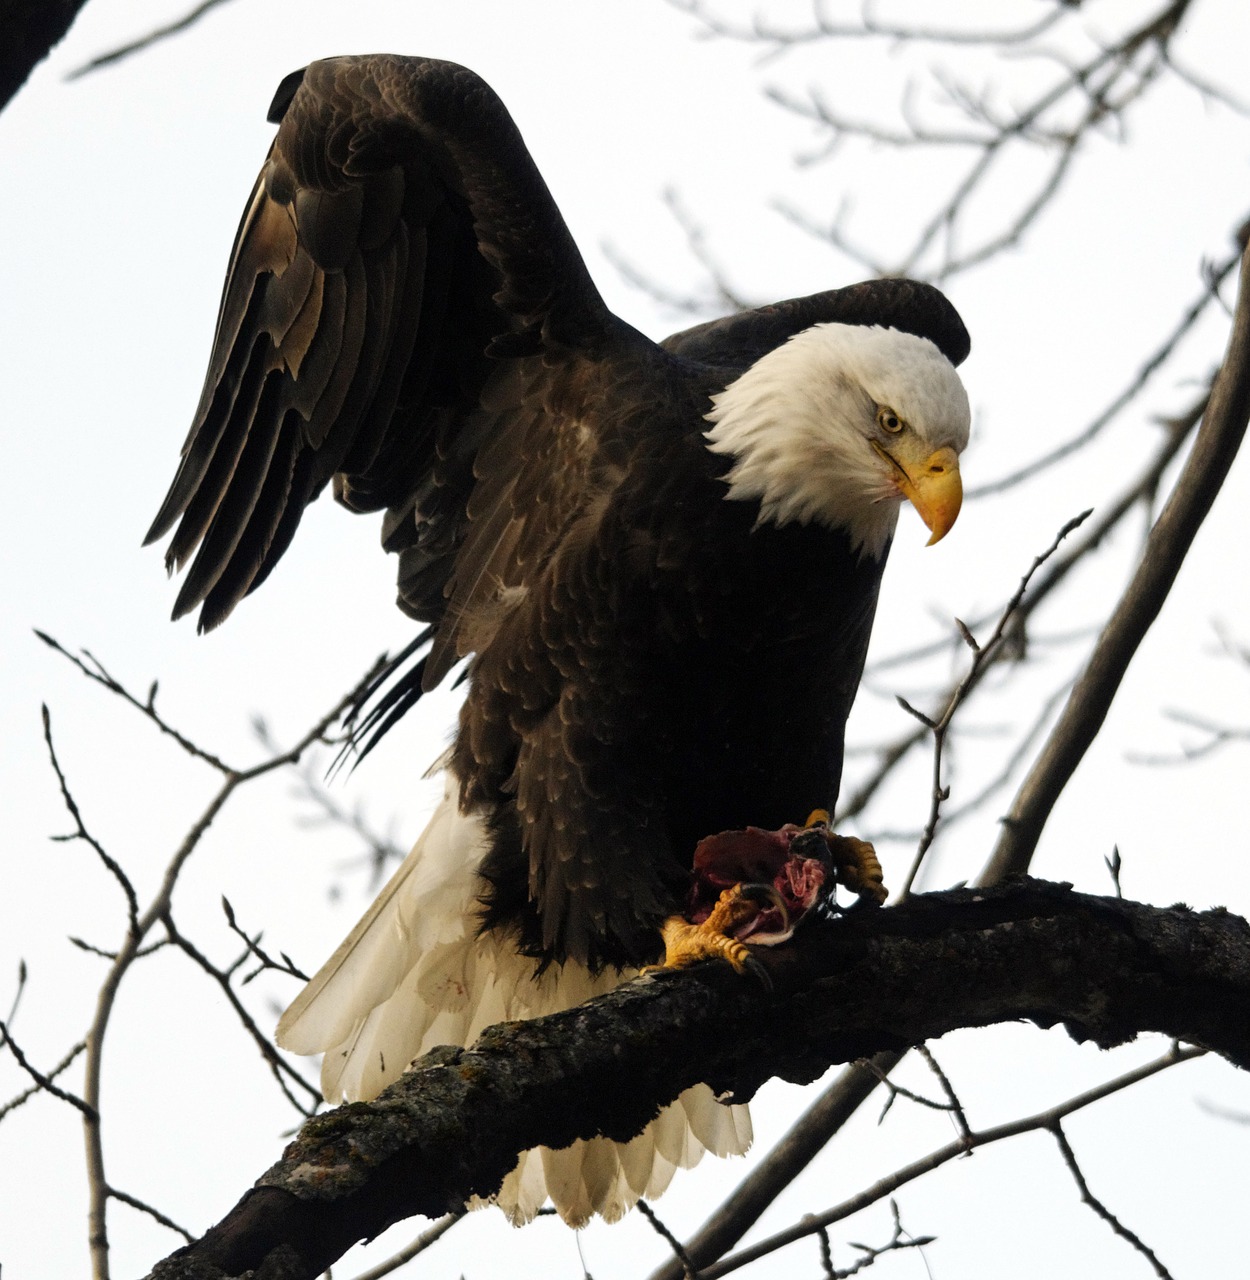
column 966, row 1142
column 32, row 29
column 1215, row 446
column 155, row 36
column 869, row 981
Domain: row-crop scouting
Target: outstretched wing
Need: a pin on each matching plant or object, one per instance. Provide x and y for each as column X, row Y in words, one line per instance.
column 403, row 298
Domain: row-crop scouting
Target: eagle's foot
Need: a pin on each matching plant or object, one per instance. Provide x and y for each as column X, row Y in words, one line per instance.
column 755, row 886
column 857, row 867
column 713, row 938
column 855, row 862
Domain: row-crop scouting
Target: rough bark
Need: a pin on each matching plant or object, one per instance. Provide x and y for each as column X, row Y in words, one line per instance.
column 867, row 981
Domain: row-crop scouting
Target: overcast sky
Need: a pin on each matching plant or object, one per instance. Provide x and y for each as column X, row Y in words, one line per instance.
column 120, row 196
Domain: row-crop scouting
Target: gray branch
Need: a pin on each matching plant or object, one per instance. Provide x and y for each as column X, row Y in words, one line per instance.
column 868, row 982
column 1215, row 446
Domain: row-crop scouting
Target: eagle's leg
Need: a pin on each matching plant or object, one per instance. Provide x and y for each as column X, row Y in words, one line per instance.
column 686, row 943
column 855, row 862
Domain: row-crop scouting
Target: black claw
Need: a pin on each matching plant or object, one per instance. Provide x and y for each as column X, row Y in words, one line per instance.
column 759, row 972
column 766, row 893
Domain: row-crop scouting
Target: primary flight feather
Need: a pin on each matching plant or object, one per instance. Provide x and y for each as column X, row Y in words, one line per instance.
column 663, row 559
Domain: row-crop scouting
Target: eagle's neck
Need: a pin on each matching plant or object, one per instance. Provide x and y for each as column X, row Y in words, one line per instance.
column 791, row 425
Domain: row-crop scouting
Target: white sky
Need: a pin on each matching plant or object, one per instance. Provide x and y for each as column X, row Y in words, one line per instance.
column 121, row 193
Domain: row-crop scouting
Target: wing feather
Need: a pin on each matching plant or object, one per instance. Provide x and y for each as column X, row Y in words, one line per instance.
column 255, row 530
column 233, row 509
column 397, row 234
column 266, row 244
column 211, row 468
column 331, row 419
column 912, row 306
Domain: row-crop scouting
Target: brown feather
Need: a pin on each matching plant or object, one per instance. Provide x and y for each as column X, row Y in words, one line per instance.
column 406, row 314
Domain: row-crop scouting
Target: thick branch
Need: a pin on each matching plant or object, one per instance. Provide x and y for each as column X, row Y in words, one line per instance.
column 1215, row 446
column 869, row 981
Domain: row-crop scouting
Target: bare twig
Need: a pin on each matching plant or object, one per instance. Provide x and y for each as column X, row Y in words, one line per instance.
column 954, row 1106
column 282, row 1070
column 80, row 829
column 15, row 1004
column 380, row 849
column 38, row 1087
column 982, row 657
column 144, row 42
column 894, row 1091
column 92, row 950
column 1083, row 99
column 1088, row 1197
column 1225, row 1113
column 797, row 1148
column 1217, row 736
column 890, row 757
column 285, row 965
column 1210, row 91
column 1109, row 517
column 1213, row 278
column 823, row 28
column 974, row 803
column 44, row 1082
column 868, row 1253
column 687, row 1267
column 408, row 1252
column 1115, row 865
column 720, row 297
column 96, row 672
column 155, row 1214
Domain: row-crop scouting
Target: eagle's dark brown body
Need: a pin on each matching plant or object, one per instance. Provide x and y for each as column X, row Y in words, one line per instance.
column 675, row 672
column 407, row 315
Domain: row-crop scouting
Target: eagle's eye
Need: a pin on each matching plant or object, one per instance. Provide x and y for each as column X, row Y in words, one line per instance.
column 888, row 420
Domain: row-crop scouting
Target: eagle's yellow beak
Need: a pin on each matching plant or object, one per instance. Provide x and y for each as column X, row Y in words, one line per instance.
column 931, row 484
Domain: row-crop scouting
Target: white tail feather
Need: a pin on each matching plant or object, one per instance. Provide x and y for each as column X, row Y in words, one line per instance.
column 637, row 1159
column 414, row 973
column 723, row 1131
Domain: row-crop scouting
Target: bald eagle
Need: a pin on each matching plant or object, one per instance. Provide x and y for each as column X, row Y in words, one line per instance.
column 663, row 560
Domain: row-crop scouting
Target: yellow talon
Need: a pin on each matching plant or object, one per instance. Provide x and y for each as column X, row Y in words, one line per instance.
column 857, row 867
column 855, row 861
column 686, row 943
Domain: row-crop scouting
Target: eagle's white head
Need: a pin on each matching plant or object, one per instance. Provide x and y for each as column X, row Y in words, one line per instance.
column 841, row 423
